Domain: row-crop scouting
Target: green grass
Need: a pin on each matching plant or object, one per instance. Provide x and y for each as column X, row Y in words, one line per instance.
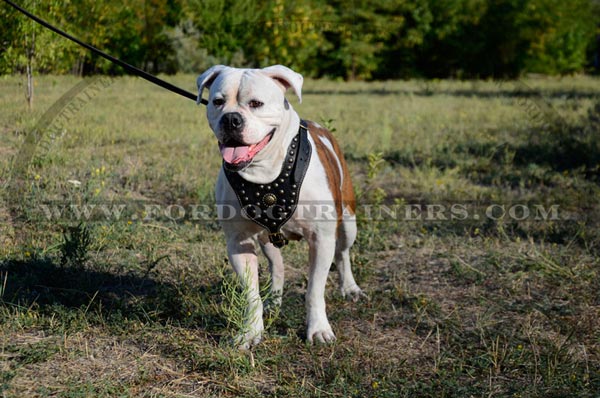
column 458, row 308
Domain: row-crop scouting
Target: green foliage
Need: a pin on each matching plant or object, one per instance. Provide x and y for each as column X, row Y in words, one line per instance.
column 357, row 35
column 133, row 30
column 222, row 29
column 291, row 35
column 236, row 309
column 509, row 37
column 358, row 39
column 235, row 291
column 245, row 33
column 560, row 42
column 21, row 36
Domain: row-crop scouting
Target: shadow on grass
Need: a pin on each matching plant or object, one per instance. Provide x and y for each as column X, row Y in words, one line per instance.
column 54, row 289
column 566, row 149
column 549, row 166
column 556, row 147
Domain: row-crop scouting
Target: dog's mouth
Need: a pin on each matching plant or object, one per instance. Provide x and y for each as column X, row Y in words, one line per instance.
column 238, row 155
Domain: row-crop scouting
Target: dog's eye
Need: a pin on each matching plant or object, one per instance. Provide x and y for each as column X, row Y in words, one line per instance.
column 218, row 101
column 255, row 104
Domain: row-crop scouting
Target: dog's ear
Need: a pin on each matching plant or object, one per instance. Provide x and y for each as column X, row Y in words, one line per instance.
column 206, row 79
column 286, row 77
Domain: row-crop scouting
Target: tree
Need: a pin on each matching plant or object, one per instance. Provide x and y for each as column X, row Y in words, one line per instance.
column 358, row 35
column 290, row 33
column 506, row 38
column 28, row 47
column 132, row 30
column 225, row 30
column 559, row 33
column 352, row 39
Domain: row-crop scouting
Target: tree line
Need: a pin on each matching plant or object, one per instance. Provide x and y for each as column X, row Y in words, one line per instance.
column 358, row 39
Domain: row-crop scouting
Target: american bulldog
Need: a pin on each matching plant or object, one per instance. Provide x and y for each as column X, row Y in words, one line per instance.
column 285, row 179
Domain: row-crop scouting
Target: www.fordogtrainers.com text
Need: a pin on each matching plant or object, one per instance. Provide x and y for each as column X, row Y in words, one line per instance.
column 146, row 212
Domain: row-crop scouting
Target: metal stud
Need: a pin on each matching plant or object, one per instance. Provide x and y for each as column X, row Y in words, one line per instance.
column 281, row 191
column 243, row 192
column 257, row 194
column 293, row 146
column 275, row 185
column 246, row 198
column 287, row 174
column 294, row 186
column 289, row 168
column 269, row 199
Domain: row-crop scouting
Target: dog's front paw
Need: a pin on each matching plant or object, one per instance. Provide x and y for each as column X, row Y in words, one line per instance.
column 353, row 293
column 320, row 333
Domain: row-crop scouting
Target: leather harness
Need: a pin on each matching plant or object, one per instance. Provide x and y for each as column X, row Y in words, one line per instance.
column 271, row 205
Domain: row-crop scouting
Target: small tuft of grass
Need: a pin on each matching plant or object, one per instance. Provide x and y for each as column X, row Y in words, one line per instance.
column 76, row 244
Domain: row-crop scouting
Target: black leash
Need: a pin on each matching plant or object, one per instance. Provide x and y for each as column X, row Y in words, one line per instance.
column 125, row 65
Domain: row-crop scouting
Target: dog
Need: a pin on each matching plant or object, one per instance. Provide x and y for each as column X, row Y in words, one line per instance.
column 258, row 134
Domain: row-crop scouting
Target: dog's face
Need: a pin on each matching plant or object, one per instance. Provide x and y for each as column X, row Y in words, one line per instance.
column 246, row 108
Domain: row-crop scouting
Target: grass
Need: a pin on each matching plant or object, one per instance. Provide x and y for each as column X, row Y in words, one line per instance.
column 140, row 305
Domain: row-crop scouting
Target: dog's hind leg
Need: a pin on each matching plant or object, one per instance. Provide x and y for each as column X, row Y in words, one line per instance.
column 346, row 236
column 321, row 253
column 275, row 259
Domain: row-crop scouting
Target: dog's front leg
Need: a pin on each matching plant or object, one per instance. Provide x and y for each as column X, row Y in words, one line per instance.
column 242, row 256
column 321, row 253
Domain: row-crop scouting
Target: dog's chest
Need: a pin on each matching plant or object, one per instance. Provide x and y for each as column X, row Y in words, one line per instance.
column 271, row 205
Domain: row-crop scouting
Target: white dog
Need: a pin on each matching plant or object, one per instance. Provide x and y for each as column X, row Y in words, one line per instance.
column 283, row 181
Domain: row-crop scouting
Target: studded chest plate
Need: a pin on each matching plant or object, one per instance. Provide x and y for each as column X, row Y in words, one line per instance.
column 272, row 205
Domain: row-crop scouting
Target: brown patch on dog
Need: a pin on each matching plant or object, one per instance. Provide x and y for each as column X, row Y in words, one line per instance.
column 339, row 185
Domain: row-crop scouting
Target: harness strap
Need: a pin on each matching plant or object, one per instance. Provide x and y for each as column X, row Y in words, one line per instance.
column 271, row 205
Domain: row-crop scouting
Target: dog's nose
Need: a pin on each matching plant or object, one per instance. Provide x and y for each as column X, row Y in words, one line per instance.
column 232, row 121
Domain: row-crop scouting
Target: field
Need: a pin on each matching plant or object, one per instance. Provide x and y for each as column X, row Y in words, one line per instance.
column 479, row 245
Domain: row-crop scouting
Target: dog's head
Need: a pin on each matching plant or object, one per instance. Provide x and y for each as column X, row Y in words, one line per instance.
column 246, row 108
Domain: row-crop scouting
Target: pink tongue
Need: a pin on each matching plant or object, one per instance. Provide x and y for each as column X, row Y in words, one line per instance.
column 238, row 154
column 233, row 155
